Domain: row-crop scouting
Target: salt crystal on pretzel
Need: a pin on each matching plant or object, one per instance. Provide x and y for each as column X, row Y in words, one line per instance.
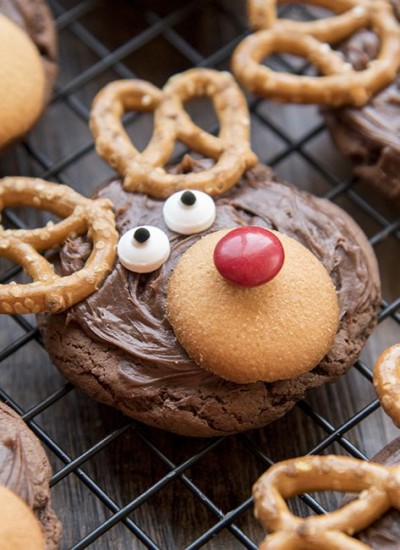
column 340, row 85
column 50, row 292
column 144, row 172
column 379, row 486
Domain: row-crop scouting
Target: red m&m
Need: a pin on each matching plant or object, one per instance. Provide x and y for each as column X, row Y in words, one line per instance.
column 249, row 256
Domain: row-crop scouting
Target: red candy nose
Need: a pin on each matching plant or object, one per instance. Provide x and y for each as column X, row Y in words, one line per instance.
column 249, row 256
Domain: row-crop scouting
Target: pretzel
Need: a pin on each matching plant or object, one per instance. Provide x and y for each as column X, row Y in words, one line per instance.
column 387, row 382
column 50, row 292
column 144, row 171
column 379, row 486
column 340, row 85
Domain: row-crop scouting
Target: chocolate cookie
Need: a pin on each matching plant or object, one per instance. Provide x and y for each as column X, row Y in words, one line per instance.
column 34, row 17
column 119, row 347
column 25, row 470
column 370, row 135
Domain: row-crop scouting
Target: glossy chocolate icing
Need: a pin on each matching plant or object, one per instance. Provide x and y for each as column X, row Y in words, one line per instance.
column 129, row 310
column 380, row 117
column 14, row 472
column 25, row 470
column 370, row 135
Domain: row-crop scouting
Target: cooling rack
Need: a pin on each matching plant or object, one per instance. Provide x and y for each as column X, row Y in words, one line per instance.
column 117, row 483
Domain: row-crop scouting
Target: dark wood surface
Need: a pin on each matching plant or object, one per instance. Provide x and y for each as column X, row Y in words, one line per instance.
column 135, row 463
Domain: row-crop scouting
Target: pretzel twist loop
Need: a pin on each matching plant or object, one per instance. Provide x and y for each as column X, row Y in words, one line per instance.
column 340, row 85
column 377, row 484
column 144, row 171
column 50, row 292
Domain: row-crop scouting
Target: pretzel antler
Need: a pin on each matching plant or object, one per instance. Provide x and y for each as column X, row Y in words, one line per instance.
column 311, row 40
column 50, row 292
column 144, row 171
column 387, row 382
column 379, row 486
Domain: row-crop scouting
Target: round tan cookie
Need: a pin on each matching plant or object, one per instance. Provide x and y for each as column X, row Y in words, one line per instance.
column 19, row 529
column 275, row 331
column 22, row 82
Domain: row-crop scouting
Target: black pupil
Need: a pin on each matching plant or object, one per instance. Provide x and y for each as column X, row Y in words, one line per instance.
column 141, row 235
column 188, row 198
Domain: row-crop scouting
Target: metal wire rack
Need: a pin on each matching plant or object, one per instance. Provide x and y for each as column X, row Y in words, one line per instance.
column 119, row 484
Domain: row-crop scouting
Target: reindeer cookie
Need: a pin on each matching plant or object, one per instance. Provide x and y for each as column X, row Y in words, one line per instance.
column 232, row 293
column 374, row 517
column 360, row 78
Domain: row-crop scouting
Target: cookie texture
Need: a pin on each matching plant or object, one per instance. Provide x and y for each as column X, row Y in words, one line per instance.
column 25, row 470
column 370, row 135
column 119, row 347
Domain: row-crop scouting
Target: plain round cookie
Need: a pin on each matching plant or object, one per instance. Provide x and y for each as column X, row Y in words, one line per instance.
column 213, row 319
column 19, row 529
column 25, row 470
column 22, row 82
column 35, row 18
column 119, row 348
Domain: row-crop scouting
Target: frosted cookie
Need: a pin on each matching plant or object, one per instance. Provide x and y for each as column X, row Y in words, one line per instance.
column 27, row 65
column 150, row 340
column 119, row 347
column 24, row 488
column 356, row 52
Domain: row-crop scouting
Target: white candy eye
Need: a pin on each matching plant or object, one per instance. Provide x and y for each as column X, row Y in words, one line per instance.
column 143, row 249
column 189, row 212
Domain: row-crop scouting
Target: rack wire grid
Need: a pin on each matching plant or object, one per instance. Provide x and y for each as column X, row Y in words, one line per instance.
column 120, row 484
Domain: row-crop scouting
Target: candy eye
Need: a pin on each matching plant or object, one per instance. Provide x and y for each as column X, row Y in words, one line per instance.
column 189, row 212
column 143, row 249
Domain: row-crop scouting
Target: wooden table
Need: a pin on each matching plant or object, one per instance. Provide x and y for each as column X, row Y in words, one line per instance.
column 180, row 492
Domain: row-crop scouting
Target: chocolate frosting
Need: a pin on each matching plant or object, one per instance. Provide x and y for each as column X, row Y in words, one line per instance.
column 370, row 135
column 14, row 470
column 379, row 119
column 25, row 470
column 128, row 311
